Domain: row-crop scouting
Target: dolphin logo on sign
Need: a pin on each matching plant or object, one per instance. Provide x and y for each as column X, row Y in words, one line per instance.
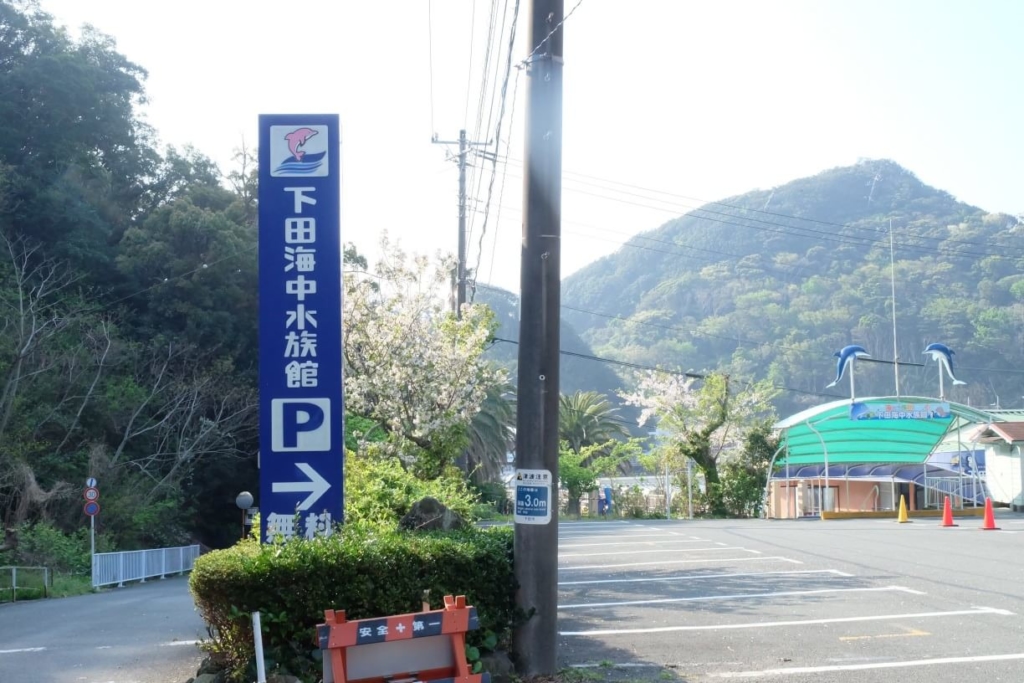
column 299, row 151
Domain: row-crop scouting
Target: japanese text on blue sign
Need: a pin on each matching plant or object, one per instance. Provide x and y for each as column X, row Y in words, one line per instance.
column 301, row 429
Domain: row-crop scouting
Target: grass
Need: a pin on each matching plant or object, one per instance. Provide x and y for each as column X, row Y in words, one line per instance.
column 30, row 586
column 65, row 586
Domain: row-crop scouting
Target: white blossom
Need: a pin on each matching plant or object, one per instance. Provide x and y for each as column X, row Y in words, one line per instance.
column 409, row 364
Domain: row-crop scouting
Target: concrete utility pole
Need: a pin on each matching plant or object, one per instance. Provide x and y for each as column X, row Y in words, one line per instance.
column 459, row 276
column 536, row 545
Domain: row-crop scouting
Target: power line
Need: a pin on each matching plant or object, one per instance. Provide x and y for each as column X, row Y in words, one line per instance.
column 846, row 226
column 469, row 74
column 612, row 361
column 794, row 231
column 776, row 344
column 430, row 60
column 677, row 373
column 546, row 38
column 779, row 228
column 107, row 305
column 504, row 176
column 482, row 97
column 773, row 268
column 497, row 135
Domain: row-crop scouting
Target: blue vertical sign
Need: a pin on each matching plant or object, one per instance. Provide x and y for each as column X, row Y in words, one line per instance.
column 301, row 414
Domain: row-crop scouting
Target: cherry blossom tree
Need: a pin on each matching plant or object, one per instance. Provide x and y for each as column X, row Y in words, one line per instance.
column 410, row 365
column 703, row 420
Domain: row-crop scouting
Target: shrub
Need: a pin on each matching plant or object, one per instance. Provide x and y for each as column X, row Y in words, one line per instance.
column 493, row 493
column 380, row 492
column 368, row 573
column 43, row 545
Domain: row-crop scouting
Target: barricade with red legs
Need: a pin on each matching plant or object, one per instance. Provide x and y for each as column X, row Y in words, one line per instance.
column 422, row 647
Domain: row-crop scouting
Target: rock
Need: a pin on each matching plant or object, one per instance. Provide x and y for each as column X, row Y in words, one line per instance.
column 209, row 666
column 283, row 678
column 429, row 514
column 206, row 678
column 499, row 666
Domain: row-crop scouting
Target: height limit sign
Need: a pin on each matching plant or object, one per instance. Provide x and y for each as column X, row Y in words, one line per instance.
column 533, row 497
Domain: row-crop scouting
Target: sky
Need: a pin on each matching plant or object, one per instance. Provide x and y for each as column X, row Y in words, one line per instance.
column 667, row 103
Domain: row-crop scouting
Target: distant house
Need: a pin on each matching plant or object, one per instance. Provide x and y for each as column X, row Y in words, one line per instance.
column 1002, row 442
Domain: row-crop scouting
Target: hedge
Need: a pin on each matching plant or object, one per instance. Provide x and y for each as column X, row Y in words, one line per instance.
column 366, row 573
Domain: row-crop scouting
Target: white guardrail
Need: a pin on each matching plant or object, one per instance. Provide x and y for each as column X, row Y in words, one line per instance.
column 139, row 565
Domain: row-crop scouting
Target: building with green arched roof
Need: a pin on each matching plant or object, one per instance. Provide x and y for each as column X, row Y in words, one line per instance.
column 862, row 455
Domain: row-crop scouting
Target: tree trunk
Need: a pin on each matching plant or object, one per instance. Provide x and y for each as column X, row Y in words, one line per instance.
column 716, row 504
column 573, row 506
column 10, row 540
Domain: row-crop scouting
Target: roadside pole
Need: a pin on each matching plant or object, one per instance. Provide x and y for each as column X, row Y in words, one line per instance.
column 536, row 518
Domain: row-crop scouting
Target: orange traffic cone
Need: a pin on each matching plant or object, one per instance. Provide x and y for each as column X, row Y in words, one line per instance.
column 990, row 520
column 947, row 514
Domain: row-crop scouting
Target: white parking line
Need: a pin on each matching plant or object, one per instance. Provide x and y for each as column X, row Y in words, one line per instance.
column 654, row 551
column 20, row 650
column 180, row 642
column 609, row 533
column 688, row 577
column 805, row 622
column 866, row 667
column 580, row 537
column 664, row 562
column 573, row 536
column 648, row 543
column 745, row 596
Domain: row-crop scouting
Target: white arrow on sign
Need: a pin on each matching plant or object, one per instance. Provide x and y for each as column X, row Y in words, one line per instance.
column 316, row 486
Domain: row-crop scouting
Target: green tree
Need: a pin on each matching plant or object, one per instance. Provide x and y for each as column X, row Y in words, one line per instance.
column 744, row 478
column 578, row 471
column 78, row 156
column 196, row 262
column 587, row 418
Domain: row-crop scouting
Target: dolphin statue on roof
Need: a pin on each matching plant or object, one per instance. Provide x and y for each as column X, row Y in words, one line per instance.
column 846, row 356
column 944, row 356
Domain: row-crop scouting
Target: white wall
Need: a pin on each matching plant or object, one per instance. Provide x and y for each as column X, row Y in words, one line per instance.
column 1003, row 473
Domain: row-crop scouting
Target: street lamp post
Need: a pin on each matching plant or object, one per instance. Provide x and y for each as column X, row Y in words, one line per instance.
column 244, row 502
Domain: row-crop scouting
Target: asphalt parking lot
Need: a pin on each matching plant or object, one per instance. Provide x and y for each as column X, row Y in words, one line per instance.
column 851, row 600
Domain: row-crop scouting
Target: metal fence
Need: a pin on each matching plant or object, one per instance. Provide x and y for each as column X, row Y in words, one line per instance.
column 37, row 580
column 139, row 565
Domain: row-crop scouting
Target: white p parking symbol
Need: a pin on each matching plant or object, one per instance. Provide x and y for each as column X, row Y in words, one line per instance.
column 300, row 424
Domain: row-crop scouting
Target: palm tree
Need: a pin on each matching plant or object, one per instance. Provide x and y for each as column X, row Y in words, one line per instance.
column 588, row 418
column 492, row 434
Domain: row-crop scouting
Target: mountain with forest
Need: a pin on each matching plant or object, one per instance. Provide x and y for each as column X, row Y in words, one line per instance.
column 579, row 369
column 769, row 284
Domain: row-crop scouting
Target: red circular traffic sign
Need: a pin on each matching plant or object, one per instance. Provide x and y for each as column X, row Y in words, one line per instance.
column 92, row 493
column 92, row 508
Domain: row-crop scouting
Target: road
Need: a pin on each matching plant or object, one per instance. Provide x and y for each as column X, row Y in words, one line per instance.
column 854, row 600
column 144, row 633
column 839, row 601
